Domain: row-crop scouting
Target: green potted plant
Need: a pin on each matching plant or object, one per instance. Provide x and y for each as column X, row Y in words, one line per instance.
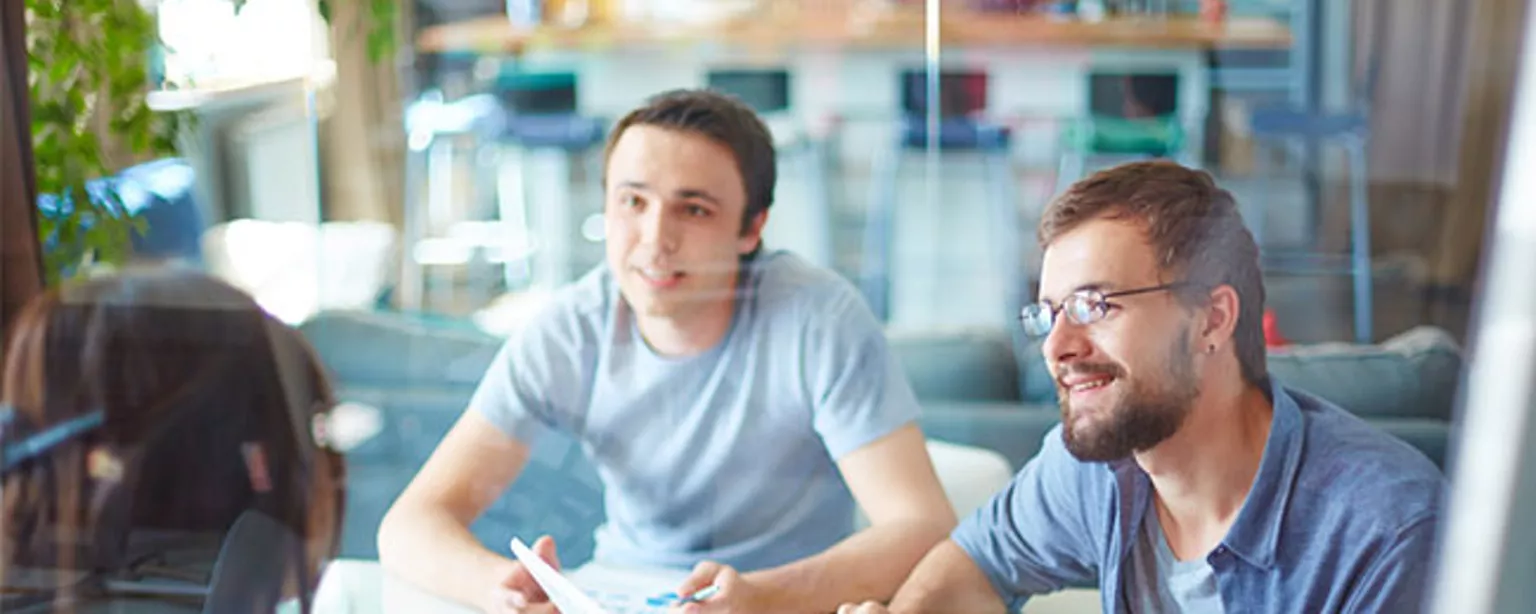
column 89, row 67
column 87, row 63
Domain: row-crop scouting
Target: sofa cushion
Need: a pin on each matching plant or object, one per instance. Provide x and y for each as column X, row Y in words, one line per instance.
column 958, row 365
column 1014, row 430
column 395, row 349
column 1412, row 375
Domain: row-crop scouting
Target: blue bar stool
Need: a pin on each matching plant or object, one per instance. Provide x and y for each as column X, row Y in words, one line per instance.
column 543, row 130
column 801, row 223
column 1350, row 130
column 961, row 129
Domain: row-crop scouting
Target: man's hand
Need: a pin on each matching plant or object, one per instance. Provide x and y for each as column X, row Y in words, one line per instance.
column 518, row 592
column 868, row 607
column 736, row 595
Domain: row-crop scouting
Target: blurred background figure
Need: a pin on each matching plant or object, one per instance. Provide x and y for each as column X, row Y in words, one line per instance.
column 164, row 451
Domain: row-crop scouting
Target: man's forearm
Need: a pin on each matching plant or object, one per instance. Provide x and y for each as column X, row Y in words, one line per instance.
column 947, row 580
column 438, row 554
column 869, row 565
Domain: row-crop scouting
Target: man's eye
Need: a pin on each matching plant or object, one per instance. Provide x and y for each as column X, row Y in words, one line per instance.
column 630, row 201
column 697, row 211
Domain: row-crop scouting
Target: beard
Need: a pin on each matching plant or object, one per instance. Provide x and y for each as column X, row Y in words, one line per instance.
column 1149, row 411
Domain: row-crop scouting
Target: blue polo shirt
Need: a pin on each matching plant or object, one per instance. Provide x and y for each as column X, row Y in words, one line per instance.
column 1341, row 518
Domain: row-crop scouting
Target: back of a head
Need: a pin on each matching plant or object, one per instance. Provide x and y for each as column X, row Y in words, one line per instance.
column 196, row 387
column 1195, row 230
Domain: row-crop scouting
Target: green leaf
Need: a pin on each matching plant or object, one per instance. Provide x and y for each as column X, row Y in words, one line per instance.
column 94, row 55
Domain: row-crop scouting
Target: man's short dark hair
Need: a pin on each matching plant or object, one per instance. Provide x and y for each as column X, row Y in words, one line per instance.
column 1194, row 229
column 723, row 118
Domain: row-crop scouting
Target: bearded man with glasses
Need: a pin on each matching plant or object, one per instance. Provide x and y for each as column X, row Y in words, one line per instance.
column 1183, row 478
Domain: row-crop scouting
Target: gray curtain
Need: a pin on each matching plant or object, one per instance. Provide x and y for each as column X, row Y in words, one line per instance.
column 1493, row 48
column 1422, row 46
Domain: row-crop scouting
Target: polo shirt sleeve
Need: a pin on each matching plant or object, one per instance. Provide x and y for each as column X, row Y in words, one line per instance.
column 1036, row 535
column 1400, row 577
column 858, row 391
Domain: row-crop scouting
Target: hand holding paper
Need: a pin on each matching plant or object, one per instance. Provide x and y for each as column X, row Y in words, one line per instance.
column 561, row 591
column 520, row 592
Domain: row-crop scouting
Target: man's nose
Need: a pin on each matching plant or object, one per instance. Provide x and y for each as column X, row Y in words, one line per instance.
column 659, row 229
column 1067, row 340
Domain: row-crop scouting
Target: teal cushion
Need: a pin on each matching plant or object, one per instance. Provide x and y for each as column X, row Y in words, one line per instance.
column 1159, row 136
column 395, row 349
column 1412, row 375
column 960, row 365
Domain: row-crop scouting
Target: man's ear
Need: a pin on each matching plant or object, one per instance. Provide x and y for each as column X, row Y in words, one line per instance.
column 752, row 234
column 1221, row 313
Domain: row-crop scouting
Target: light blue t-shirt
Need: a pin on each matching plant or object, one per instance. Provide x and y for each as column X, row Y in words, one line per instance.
column 1159, row 583
column 727, row 455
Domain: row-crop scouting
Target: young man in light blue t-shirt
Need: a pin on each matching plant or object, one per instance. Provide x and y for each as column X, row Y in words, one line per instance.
column 736, row 402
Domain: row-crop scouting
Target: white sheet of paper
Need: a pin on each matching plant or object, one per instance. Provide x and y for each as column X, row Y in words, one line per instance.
column 562, row 592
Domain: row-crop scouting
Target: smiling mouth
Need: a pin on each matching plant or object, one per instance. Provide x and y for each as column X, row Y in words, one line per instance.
column 1093, row 384
column 659, row 277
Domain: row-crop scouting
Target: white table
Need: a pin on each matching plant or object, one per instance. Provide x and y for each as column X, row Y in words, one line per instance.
column 353, row 586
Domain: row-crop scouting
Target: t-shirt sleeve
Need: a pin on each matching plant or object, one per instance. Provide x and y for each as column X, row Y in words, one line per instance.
column 858, row 391
column 536, row 380
column 1034, row 537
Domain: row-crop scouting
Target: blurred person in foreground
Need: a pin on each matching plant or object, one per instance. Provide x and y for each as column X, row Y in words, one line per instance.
column 1183, row 478
column 160, row 439
column 736, row 401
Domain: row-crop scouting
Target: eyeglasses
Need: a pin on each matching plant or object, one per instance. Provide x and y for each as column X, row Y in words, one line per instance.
column 1082, row 307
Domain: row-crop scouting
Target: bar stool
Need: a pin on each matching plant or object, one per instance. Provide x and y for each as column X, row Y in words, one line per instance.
column 802, row 225
column 961, row 129
column 432, row 125
column 543, row 130
column 1131, row 116
column 1350, row 130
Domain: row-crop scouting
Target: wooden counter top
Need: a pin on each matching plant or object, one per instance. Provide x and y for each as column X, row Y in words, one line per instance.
column 892, row 30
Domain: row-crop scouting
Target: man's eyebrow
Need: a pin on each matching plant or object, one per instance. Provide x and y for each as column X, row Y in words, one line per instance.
column 682, row 194
column 695, row 193
column 1092, row 286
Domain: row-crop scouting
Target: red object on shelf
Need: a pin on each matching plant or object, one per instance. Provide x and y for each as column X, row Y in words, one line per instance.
column 1213, row 11
column 1272, row 336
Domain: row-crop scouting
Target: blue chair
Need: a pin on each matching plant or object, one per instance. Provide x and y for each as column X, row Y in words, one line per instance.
column 541, row 118
column 161, row 193
column 805, row 224
column 961, row 129
column 1131, row 116
column 1350, row 130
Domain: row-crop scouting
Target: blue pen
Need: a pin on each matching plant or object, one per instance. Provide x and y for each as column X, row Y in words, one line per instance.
column 673, row 599
column 701, row 594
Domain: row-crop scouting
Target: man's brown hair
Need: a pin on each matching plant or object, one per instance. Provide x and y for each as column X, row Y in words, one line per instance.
column 1194, row 229
column 724, row 119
